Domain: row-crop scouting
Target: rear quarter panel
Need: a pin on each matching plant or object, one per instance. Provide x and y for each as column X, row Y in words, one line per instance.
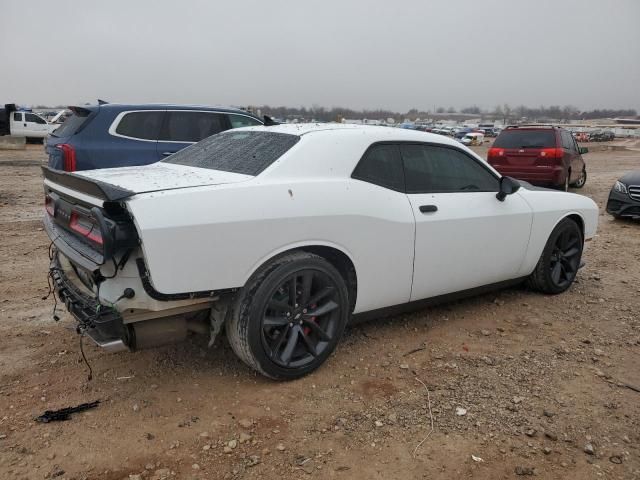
column 212, row 238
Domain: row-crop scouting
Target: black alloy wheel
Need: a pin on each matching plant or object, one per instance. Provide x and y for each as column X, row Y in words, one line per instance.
column 301, row 318
column 560, row 260
column 565, row 258
column 289, row 316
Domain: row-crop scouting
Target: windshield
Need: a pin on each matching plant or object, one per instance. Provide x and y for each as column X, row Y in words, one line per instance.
column 248, row 153
column 526, row 139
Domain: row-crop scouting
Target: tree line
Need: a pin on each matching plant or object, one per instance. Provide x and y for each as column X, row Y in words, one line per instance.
column 503, row 112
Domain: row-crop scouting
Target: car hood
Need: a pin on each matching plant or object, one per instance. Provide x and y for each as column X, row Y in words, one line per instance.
column 160, row 176
column 631, row 178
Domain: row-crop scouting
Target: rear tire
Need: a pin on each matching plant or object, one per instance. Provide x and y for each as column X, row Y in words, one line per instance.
column 558, row 265
column 289, row 316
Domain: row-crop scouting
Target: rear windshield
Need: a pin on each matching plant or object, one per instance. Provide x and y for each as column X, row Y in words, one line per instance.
column 248, row 153
column 72, row 124
column 526, row 139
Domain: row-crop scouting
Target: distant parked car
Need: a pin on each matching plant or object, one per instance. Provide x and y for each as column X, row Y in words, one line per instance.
column 541, row 155
column 472, row 138
column 624, row 198
column 601, row 136
column 116, row 135
column 19, row 123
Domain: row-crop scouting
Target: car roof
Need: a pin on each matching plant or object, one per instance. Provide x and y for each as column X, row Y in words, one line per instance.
column 373, row 133
column 170, row 106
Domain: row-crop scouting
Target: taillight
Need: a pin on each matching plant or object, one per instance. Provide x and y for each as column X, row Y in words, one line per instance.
column 68, row 157
column 49, row 205
column 495, row 153
column 552, row 153
column 85, row 227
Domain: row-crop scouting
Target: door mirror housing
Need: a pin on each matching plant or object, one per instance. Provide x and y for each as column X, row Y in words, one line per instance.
column 508, row 186
column 583, row 150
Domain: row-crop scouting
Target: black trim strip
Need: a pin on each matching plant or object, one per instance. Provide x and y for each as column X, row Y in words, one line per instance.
column 156, row 295
column 429, row 302
column 95, row 188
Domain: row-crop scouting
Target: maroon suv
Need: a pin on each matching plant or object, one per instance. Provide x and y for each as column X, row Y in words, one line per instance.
column 541, row 155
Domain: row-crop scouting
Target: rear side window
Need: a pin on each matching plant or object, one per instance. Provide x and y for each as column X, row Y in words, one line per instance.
column 239, row 121
column 191, row 126
column 143, row 125
column 381, row 165
column 431, row 169
column 17, row 116
column 526, row 139
column 72, row 124
column 248, row 153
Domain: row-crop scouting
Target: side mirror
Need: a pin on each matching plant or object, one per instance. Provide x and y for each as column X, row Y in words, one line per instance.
column 508, row 186
column 583, row 150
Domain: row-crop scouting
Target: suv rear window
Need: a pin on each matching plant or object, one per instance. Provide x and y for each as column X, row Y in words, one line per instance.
column 526, row 139
column 72, row 124
column 248, row 153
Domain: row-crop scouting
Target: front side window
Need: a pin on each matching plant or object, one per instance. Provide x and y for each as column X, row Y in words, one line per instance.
column 142, row 125
column 381, row 165
column 30, row 117
column 191, row 126
column 239, row 121
column 567, row 140
column 432, row 169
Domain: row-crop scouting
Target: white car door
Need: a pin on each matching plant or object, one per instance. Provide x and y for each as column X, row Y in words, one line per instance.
column 465, row 237
column 18, row 127
column 36, row 126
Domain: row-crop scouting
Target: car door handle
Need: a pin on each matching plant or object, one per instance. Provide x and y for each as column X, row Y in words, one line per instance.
column 166, row 154
column 428, row 208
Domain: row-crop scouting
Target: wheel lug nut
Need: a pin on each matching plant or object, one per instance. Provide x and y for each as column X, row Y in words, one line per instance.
column 304, row 310
column 291, row 324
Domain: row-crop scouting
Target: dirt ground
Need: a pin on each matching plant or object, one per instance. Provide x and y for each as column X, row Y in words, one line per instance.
column 541, row 379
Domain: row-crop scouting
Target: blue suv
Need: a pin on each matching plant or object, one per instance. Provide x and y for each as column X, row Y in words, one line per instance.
column 115, row 135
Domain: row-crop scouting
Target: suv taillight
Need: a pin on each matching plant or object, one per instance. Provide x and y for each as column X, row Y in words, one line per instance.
column 551, row 153
column 495, row 154
column 68, row 157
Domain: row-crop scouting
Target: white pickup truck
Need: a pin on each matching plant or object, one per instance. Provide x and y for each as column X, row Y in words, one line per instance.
column 23, row 124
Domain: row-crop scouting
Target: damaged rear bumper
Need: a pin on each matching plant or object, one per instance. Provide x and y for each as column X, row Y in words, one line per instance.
column 101, row 323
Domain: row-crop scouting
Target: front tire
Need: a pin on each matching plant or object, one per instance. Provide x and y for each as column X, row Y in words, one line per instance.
column 289, row 316
column 582, row 180
column 558, row 265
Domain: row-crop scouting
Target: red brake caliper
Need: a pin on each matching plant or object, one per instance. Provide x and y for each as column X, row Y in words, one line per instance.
column 313, row 319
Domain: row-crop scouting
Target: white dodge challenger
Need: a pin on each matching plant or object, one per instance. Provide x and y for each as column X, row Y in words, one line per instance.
column 284, row 234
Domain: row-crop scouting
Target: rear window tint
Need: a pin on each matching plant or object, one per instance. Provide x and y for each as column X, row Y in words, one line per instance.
column 248, row 153
column 180, row 126
column 72, row 124
column 526, row 139
column 143, row 125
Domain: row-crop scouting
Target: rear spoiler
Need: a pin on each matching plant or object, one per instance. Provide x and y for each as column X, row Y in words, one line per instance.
column 95, row 188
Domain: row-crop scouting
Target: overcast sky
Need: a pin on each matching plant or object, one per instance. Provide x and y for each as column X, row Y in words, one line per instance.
column 354, row 53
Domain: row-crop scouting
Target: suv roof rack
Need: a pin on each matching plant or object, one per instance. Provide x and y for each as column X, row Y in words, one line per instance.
column 529, row 125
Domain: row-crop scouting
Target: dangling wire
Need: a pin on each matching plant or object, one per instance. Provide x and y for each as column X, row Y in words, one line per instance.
column 80, row 332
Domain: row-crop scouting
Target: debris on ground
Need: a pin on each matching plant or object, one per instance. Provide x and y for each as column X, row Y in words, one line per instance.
column 65, row 413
